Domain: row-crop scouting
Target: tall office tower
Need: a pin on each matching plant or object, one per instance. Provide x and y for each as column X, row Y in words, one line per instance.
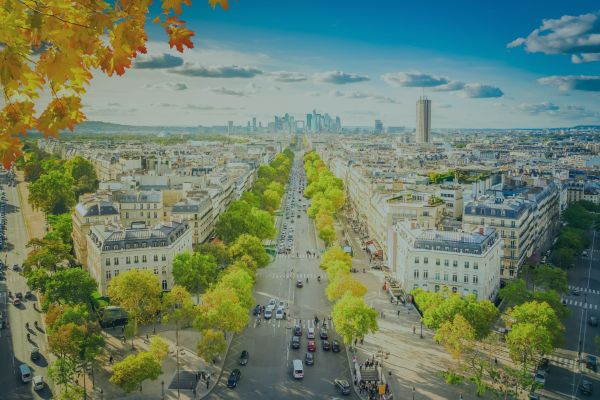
column 378, row 126
column 423, row 120
column 253, row 124
column 230, row 127
column 338, row 125
column 308, row 122
column 315, row 122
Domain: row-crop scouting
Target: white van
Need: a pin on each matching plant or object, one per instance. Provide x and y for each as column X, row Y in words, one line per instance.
column 298, row 369
column 25, row 373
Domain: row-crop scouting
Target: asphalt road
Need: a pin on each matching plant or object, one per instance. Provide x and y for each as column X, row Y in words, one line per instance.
column 268, row 373
column 566, row 373
column 15, row 348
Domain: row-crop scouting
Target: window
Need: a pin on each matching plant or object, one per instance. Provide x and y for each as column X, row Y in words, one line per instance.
column 475, row 279
column 127, row 260
column 475, row 265
column 437, row 261
column 127, row 215
column 116, row 247
column 136, row 259
column 455, row 263
column 425, row 260
column 446, row 276
column 425, row 274
column 466, row 264
column 437, row 276
column 476, row 293
column 466, row 279
column 107, row 262
column 116, row 260
column 416, row 260
column 454, row 289
column 512, row 224
column 154, row 205
column 416, row 274
column 446, row 263
column 454, row 278
column 164, row 270
column 156, row 257
column 155, row 270
column 116, row 272
column 437, row 288
column 482, row 221
column 108, row 275
column 164, row 257
column 144, row 258
column 155, row 214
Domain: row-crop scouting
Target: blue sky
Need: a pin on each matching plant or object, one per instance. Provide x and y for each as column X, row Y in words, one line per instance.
column 370, row 60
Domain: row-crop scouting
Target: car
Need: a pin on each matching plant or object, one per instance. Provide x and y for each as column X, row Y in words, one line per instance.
column 256, row 310
column 28, row 295
column 35, row 353
column 38, row 383
column 310, row 333
column 540, row 377
column 234, row 378
column 19, row 295
column 593, row 320
column 271, row 304
column 335, row 346
column 323, row 334
column 591, row 362
column 15, row 267
column 244, row 357
column 268, row 314
column 585, row 253
column 342, row 386
column 279, row 313
column 534, row 396
column 281, row 304
column 25, row 373
column 299, row 283
column 325, row 345
column 295, row 342
column 309, row 359
column 586, row 387
column 311, row 345
column 16, row 301
column 297, row 330
column 575, row 292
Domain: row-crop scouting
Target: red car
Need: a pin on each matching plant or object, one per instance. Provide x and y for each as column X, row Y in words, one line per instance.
column 311, row 346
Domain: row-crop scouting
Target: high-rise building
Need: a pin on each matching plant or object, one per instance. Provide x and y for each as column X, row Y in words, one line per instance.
column 253, row 124
column 230, row 127
column 338, row 125
column 378, row 126
column 308, row 122
column 423, row 120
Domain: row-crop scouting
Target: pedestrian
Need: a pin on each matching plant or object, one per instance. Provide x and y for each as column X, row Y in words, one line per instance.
column 110, row 359
column 147, row 337
column 398, row 313
column 207, row 383
column 355, row 341
column 414, row 329
column 495, row 361
column 361, row 340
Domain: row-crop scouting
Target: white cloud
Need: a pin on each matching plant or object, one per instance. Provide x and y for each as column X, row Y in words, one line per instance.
column 479, row 91
column 578, row 36
column 216, row 71
column 160, row 61
column 166, row 85
column 450, row 86
column 573, row 82
column 247, row 91
column 340, row 77
column 540, row 108
column 414, row 79
column 571, row 112
column 285, row 76
column 363, row 95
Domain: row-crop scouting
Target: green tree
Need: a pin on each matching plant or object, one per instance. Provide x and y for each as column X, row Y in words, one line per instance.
column 563, row 257
column 335, row 254
column 271, row 200
column 456, row 335
column 37, row 279
column 328, row 235
column 47, row 253
column 134, row 369
column 217, row 249
column 343, row 283
column 241, row 282
column 336, row 268
column 514, row 293
column 61, row 371
column 138, row 292
column 548, row 277
column 70, row 286
column 62, row 227
column 32, row 171
column 221, row 309
column 53, row 193
column 83, row 173
column 178, row 307
column 263, row 226
column 195, row 271
column 248, row 245
column 353, row 318
column 481, row 315
column 211, row 344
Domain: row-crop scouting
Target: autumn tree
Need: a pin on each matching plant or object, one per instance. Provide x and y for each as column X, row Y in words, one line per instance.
column 49, row 254
column 211, row 344
column 221, row 309
column 328, row 235
column 241, row 282
column 138, row 293
column 456, row 336
column 178, row 307
column 353, row 318
column 343, row 283
column 335, row 254
column 54, row 47
column 134, row 369
column 248, row 245
column 194, row 271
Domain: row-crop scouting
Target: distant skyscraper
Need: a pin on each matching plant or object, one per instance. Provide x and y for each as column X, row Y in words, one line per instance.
column 308, row 122
column 378, row 126
column 230, row 127
column 338, row 125
column 423, row 120
column 253, row 124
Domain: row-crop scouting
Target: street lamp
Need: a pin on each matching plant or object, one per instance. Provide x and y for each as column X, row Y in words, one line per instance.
column 162, row 389
column 413, row 391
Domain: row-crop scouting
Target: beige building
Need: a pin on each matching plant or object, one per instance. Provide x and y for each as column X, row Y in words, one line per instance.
column 91, row 210
column 140, row 206
column 198, row 211
column 113, row 249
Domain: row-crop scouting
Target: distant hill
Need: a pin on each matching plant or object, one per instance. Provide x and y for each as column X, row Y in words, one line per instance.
column 99, row 127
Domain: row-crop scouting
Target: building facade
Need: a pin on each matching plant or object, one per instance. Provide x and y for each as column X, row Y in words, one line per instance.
column 429, row 259
column 113, row 250
column 423, row 120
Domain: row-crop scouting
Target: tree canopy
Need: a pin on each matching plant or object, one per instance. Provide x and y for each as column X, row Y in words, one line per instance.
column 138, row 292
column 353, row 318
column 194, row 271
column 53, row 193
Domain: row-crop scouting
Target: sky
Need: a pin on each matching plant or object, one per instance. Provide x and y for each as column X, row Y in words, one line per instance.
column 484, row 64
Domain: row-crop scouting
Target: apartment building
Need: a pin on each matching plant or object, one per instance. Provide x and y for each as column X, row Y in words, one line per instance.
column 430, row 259
column 113, row 249
column 140, row 206
column 92, row 209
column 198, row 211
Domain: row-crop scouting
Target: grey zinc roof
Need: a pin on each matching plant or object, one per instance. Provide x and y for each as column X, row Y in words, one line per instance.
column 95, row 209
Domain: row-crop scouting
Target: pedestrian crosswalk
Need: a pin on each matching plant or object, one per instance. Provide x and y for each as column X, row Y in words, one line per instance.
column 293, row 256
column 577, row 303
column 584, row 290
column 564, row 362
column 290, row 323
column 294, row 275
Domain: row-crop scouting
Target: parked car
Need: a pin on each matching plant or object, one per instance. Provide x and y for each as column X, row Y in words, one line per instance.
column 38, row 383
column 325, row 345
column 323, row 334
column 35, row 353
column 593, row 320
column 234, row 378
column 256, row 310
column 540, row 377
column 591, row 362
column 342, row 386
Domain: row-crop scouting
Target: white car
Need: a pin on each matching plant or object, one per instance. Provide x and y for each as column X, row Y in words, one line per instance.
column 38, row 382
column 540, row 377
column 310, row 333
column 279, row 313
column 268, row 314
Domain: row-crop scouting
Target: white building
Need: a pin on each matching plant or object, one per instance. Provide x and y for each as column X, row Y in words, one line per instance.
column 112, row 249
column 465, row 262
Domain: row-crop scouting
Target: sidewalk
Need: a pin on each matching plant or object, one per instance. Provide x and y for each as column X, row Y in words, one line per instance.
column 159, row 388
column 412, row 366
column 35, row 221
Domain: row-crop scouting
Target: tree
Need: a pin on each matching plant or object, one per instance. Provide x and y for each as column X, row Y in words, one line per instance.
column 481, row 315
column 343, row 283
column 83, row 173
column 248, row 245
column 353, row 318
column 539, row 314
column 134, row 369
column 563, row 257
column 54, row 46
column 263, row 226
column 52, row 193
column 70, row 286
column 62, row 227
column 217, row 249
column 138, row 293
column 221, row 309
column 335, row 254
column 514, row 293
column 271, row 200
column 335, row 268
column 548, row 277
column 241, row 282
column 328, row 235
column 240, row 218
column 37, row 279
column 195, row 271
column 61, row 372
column 47, row 253
column 211, row 344
column 178, row 307
column 323, row 219
column 456, row 336
column 32, row 171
